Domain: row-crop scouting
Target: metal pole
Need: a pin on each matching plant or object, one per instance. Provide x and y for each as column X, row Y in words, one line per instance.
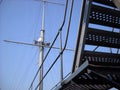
column 61, row 58
column 43, row 14
column 41, row 56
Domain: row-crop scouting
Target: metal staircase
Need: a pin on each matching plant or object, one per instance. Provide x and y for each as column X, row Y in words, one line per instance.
column 93, row 70
column 102, row 38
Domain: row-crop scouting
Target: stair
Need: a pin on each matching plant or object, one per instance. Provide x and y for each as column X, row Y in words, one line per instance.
column 102, row 38
column 104, row 16
column 105, row 2
column 100, row 58
column 93, row 70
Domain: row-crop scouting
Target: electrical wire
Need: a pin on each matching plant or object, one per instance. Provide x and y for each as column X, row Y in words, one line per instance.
column 67, row 34
column 36, row 25
column 60, row 81
column 16, row 69
column 61, row 57
column 22, row 81
column 22, row 74
column 53, row 74
column 95, row 48
column 60, row 29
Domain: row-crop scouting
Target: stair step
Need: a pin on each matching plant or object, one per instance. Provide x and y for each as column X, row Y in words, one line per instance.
column 105, row 2
column 102, row 38
column 96, row 79
column 104, row 16
column 100, row 58
column 96, row 82
column 76, row 86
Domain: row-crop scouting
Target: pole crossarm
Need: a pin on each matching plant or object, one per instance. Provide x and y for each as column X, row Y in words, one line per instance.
column 61, row 4
column 45, row 45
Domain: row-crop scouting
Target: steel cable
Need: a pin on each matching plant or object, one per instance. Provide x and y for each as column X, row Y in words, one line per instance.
column 60, row 29
column 22, row 80
column 67, row 34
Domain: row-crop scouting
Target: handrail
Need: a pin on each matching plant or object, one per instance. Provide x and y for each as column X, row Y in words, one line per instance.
column 67, row 34
column 60, row 29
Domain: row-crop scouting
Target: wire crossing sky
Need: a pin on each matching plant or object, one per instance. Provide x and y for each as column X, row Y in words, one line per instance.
column 20, row 21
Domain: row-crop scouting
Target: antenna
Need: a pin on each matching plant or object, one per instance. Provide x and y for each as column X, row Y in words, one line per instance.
column 40, row 42
column 41, row 55
column 46, row 45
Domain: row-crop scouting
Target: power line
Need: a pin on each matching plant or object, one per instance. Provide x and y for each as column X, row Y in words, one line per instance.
column 22, row 81
column 67, row 34
column 60, row 29
column 18, row 67
column 21, row 75
column 60, row 81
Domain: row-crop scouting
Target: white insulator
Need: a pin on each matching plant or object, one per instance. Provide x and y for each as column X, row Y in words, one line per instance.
column 40, row 39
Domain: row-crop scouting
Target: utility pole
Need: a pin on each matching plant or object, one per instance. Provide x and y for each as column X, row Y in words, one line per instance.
column 41, row 44
column 41, row 39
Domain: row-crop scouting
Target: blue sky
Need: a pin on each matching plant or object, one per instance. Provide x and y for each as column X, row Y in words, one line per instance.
column 20, row 20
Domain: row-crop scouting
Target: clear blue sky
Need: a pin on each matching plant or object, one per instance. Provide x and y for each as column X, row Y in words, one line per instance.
column 20, row 20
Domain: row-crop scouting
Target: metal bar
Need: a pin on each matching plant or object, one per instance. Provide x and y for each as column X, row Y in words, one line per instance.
column 118, row 51
column 95, row 48
column 78, row 39
column 60, row 29
column 61, row 58
column 110, row 47
column 66, row 40
column 86, row 5
column 112, row 20
column 74, row 74
column 113, row 83
column 41, row 55
column 68, row 49
column 100, row 58
column 102, row 38
column 106, row 2
column 52, row 2
column 101, row 66
column 60, row 81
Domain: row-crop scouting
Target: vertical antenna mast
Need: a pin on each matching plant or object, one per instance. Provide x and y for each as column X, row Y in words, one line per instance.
column 41, row 56
column 41, row 42
column 43, row 14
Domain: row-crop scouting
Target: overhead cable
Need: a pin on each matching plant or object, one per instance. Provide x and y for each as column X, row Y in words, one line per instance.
column 67, row 34
column 60, row 29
